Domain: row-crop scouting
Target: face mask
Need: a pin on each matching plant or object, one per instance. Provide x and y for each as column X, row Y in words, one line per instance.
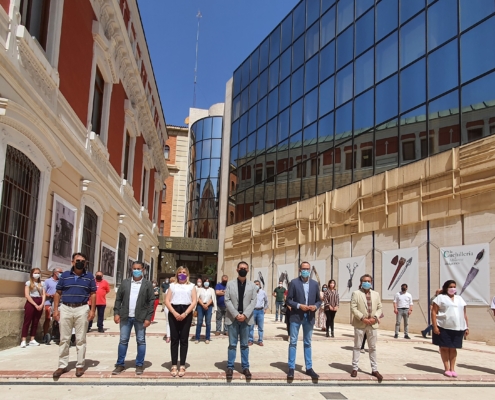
column 137, row 273
column 452, row 290
column 224, row 283
column 36, row 276
column 198, row 284
column 242, row 273
column 305, row 273
column 257, row 288
column 324, row 289
column 80, row 264
column 182, row 277
column 279, row 285
column 99, row 278
column 166, row 280
column 366, row 285
column 403, row 289
column 206, row 284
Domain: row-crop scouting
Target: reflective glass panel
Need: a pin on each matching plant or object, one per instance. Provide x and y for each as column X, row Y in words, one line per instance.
column 326, row 96
column 236, row 108
column 345, row 161
column 477, row 51
column 311, row 74
column 387, row 17
column 363, row 6
column 365, row 32
column 412, row 40
column 473, row 11
column 326, row 4
column 261, row 140
column 444, row 128
column 413, row 140
column 310, row 107
column 312, row 11
column 299, row 19
column 345, row 14
column 412, row 85
column 297, row 84
column 442, row 22
column 286, row 32
column 312, row 41
column 198, row 129
column 271, row 133
column 327, row 61
column 216, row 148
column 252, row 120
column 386, row 100
column 298, row 53
column 327, row 30
column 215, row 167
column 283, row 125
column 284, row 94
column 343, row 122
column 363, row 147
column 243, row 127
column 264, row 54
column 251, row 147
column 386, row 154
column 237, row 81
column 217, row 127
column 386, row 57
column 408, row 8
column 345, row 47
column 255, row 60
column 285, row 66
column 310, row 134
column 235, row 132
column 253, row 92
column 275, row 44
column 296, row 114
column 263, row 89
column 443, row 69
column 325, row 177
column 364, row 72
column 245, row 73
column 325, row 130
column 262, row 111
column 363, row 111
column 273, row 103
column 344, row 85
column 273, row 75
column 244, row 100
column 205, row 168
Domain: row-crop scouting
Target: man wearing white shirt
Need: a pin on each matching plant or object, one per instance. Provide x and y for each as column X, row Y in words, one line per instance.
column 403, row 306
column 259, row 315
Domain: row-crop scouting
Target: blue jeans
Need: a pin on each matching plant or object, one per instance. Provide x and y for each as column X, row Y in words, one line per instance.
column 278, row 309
column 238, row 330
column 307, row 334
column 125, row 334
column 207, row 315
column 259, row 319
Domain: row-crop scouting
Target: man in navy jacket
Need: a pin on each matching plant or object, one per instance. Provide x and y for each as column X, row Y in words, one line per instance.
column 304, row 300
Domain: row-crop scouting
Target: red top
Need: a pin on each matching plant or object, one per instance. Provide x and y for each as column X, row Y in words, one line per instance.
column 102, row 288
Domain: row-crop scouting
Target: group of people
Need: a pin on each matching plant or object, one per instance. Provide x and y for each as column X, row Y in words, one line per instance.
column 240, row 303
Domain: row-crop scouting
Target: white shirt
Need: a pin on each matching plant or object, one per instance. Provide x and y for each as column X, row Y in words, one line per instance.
column 135, row 287
column 181, row 293
column 451, row 312
column 35, row 292
column 403, row 300
column 206, row 295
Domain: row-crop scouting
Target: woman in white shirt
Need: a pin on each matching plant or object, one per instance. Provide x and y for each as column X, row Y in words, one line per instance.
column 180, row 301
column 34, row 292
column 207, row 304
column 450, row 325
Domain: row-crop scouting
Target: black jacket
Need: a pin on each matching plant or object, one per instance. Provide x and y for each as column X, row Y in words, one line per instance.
column 144, row 304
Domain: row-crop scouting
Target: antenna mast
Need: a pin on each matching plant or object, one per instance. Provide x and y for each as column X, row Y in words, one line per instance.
column 198, row 16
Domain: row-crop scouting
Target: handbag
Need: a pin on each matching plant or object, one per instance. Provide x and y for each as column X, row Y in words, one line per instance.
column 283, row 310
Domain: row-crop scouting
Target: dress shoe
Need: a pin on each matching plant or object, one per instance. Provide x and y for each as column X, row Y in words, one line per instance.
column 407, row 337
column 247, row 373
column 312, row 373
column 118, row 369
column 332, row 335
column 377, row 375
column 139, row 370
column 229, row 373
column 101, row 330
column 217, row 333
column 260, row 344
column 354, row 373
column 327, row 335
column 58, row 373
column 423, row 333
column 79, row 372
column 290, row 374
column 396, row 336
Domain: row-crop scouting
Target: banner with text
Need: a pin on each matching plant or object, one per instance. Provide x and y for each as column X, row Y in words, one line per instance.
column 400, row 266
column 350, row 272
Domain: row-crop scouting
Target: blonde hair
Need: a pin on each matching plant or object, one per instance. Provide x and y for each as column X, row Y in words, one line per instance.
column 182, row 269
column 172, row 280
column 35, row 283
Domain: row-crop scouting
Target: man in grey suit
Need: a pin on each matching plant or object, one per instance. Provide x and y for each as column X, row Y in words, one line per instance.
column 240, row 300
column 304, row 300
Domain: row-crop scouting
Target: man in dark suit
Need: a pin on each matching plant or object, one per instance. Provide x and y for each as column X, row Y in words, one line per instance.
column 304, row 300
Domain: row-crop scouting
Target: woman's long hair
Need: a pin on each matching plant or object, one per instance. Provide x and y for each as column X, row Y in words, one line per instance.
column 445, row 287
column 182, row 269
column 35, row 283
column 334, row 284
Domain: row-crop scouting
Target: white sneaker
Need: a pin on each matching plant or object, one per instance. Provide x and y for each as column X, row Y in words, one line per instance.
column 33, row 343
column 23, row 344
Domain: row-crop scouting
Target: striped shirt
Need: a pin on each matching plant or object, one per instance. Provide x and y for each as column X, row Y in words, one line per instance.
column 331, row 298
column 74, row 288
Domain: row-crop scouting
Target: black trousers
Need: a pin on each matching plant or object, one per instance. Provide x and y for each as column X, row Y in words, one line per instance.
column 101, row 317
column 330, row 319
column 179, row 334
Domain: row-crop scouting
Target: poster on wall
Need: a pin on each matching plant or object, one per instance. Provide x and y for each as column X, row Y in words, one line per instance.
column 398, row 267
column 129, row 267
column 285, row 273
column 318, row 271
column 261, row 274
column 469, row 266
column 108, row 260
column 62, row 234
column 146, row 272
column 350, row 272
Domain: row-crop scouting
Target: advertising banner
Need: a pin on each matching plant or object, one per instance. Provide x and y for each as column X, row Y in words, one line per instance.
column 318, row 271
column 285, row 273
column 469, row 266
column 261, row 274
column 398, row 267
column 350, row 271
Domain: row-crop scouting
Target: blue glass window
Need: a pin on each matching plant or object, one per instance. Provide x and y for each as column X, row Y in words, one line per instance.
column 326, row 4
column 205, row 164
column 263, row 89
column 408, row 8
column 364, row 72
column 237, row 81
column 264, row 54
column 198, row 128
column 255, row 60
column 363, row 111
column 310, row 107
column 412, row 85
column 343, row 121
column 299, row 19
column 253, row 92
column 365, row 32
column 284, row 94
column 207, row 128
column 216, row 148
column 345, row 47
column 442, row 69
column 245, row 73
column 262, row 111
column 251, row 145
column 298, row 53
column 387, row 100
column 325, row 128
column 233, row 159
column 344, row 85
column 310, row 134
column 345, row 14
column 275, row 44
column 286, row 32
column 252, row 120
column 386, row 57
column 244, row 100
column 273, row 75
column 296, row 114
column 217, row 127
column 236, row 108
column 285, row 65
column 473, row 11
column 311, row 74
column 273, row 103
column 478, row 50
column 283, row 125
column 412, row 40
column 271, row 133
column 386, row 20
column 482, row 90
column 442, row 22
column 199, row 150
column 297, row 84
column 234, row 135
column 326, row 96
column 312, row 41
column 362, row 6
column 327, row 61
column 243, row 127
column 312, row 12
column 206, row 148
column 261, row 140
column 327, row 29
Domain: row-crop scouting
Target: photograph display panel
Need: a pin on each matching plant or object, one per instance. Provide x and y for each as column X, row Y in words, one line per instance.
column 108, row 260
column 285, row 273
column 398, row 267
column 350, row 272
column 62, row 234
column 261, row 274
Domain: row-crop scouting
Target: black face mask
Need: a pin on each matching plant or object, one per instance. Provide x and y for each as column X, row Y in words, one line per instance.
column 403, row 289
column 80, row 264
column 242, row 273
column 224, row 283
column 99, row 278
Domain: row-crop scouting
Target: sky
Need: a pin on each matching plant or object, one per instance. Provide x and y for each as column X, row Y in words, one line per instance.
column 229, row 31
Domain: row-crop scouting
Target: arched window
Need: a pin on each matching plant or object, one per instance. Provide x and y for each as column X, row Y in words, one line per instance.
column 166, row 152
column 164, row 193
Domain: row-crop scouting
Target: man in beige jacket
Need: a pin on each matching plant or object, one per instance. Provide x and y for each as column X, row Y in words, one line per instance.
column 366, row 309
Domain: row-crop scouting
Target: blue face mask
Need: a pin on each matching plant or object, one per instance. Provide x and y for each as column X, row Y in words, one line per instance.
column 206, row 284
column 305, row 273
column 366, row 285
column 137, row 273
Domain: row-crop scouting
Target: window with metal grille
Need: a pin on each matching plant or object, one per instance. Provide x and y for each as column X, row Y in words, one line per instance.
column 35, row 16
column 18, row 211
column 88, row 246
column 97, row 102
column 140, row 255
column 126, row 155
column 120, row 260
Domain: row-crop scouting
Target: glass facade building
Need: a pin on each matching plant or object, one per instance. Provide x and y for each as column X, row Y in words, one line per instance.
column 342, row 90
column 204, row 172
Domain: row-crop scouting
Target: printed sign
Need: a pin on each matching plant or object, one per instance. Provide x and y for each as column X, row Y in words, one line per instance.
column 398, row 267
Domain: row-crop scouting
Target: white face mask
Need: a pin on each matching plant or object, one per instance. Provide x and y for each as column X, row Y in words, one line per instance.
column 36, row 276
column 198, row 283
